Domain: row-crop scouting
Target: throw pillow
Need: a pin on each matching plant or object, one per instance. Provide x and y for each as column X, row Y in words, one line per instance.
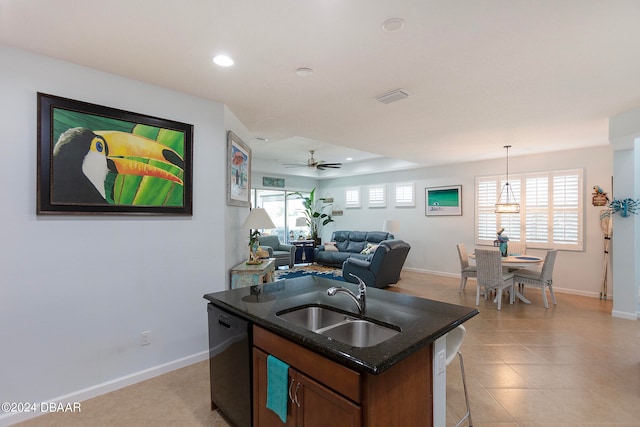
column 371, row 248
column 331, row 247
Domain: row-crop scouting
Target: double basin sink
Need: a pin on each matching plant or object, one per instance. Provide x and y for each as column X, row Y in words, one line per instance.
column 339, row 326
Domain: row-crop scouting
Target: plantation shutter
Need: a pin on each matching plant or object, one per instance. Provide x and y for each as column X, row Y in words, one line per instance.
column 550, row 215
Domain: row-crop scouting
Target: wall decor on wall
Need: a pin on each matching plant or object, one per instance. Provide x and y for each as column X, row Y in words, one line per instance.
column 599, row 197
column 238, row 171
column 440, row 201
column 94, row 159
column 268, row 181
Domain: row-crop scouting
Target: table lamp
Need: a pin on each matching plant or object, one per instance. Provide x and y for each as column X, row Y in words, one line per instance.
column 391, row 226
column 301, row 222
column 258, row 219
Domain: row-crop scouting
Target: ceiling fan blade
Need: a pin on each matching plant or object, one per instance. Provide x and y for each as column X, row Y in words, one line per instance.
column 329, row 166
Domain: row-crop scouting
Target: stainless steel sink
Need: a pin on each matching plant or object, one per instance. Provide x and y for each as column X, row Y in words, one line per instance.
column 338, row 326
column 313, row 318
column 360, row 333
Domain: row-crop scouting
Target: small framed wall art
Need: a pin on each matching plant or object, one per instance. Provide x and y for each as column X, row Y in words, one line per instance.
column 441, row 201
column 238, row 171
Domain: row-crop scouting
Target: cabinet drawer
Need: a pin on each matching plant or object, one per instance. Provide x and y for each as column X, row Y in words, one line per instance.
column 335, row 376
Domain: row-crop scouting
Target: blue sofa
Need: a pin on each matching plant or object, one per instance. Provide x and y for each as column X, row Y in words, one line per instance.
column 382, row 269
column 349, row 244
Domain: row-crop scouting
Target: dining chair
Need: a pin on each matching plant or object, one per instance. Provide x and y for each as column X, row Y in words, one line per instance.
column 517, row 248
column 541, row 278
column 453, row 342
column 466, row 270
column 491, row 276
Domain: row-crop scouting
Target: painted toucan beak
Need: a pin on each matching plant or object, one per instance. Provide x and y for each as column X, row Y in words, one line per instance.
column 131, row 154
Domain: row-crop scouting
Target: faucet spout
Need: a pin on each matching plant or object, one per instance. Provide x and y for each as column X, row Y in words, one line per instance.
column 360, row 299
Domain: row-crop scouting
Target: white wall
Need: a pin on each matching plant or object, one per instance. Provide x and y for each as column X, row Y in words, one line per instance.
column 77, row 291
column 433, row 239
column 624, row 133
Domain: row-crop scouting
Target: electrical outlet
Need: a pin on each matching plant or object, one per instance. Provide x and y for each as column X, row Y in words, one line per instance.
column 145, row 338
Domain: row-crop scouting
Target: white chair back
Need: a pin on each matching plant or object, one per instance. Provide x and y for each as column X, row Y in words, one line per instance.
column 462, row 254
column 517, row 248
column 454, row 341
column 547, row 266
column 489, row 265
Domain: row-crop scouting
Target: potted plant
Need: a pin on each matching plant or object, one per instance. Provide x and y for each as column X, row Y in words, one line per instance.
column 314, row 213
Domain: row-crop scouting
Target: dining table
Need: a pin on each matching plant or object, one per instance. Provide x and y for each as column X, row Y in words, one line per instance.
column 518, row 261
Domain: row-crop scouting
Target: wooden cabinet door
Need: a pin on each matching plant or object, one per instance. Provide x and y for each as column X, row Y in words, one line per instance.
column 263, row 417
column 321, row 407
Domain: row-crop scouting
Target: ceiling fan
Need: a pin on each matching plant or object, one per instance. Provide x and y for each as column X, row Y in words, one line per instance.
column 315, row 164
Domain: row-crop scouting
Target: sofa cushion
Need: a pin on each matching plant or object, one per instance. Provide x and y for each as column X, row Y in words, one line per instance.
column 350, row 243
column 378, row 236
column 370, row 248
column 331, row 246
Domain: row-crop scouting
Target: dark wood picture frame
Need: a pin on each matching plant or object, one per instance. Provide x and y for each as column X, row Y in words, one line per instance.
column 97, row 160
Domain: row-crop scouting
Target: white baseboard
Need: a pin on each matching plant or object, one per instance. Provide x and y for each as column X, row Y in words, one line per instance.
column 109, row 386
column 624, row 315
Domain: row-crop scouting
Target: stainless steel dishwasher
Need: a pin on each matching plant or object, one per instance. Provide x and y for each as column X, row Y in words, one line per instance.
column 230, row 365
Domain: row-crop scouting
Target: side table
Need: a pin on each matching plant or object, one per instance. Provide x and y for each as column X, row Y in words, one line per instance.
column 304, row 251
column 244, row 274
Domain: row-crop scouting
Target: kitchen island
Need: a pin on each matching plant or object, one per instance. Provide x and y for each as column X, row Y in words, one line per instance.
column 400, row 380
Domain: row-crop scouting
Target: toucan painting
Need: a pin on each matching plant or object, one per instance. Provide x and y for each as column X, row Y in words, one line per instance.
column 101, row 161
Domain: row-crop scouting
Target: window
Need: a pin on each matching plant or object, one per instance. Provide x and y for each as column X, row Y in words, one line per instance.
column 352, row 197
column 550, row 210
column 282, row 210
column 377, row 196
column 405, row 194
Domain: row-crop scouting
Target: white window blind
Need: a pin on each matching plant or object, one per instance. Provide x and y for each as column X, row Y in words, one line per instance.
column 352, row 197
column 550, row 209
column 405, row 194
column 377, row 196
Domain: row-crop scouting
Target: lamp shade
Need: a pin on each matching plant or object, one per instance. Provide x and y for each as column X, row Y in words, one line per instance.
column 301, row 222
column 391, row 226
column 258, row 218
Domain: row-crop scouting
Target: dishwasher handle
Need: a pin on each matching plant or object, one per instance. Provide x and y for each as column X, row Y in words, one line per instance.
column 227, row 321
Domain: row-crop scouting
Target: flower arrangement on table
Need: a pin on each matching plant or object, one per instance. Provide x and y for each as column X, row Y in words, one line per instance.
column 501, row 242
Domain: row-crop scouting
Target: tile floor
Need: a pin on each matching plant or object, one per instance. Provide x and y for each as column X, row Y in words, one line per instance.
column 570, row 365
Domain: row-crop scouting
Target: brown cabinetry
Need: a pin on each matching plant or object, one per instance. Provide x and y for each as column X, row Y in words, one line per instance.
column 324, row 393
column 310, row 403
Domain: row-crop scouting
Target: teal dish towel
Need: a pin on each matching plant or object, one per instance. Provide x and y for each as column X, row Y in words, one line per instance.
column 277, row 377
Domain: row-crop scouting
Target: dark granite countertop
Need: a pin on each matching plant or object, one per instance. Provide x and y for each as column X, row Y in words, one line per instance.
column 420, row 320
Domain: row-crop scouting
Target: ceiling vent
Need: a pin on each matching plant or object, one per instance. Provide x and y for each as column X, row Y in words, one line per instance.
column 393, row 96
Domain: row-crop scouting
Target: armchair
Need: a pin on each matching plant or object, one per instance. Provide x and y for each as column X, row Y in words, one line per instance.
column 283, row 253
column 382, row 269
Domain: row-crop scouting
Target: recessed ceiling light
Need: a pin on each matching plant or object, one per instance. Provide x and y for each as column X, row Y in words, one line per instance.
column 223, row 61
column 304, row 71
column 349, row 158
column 393, row 24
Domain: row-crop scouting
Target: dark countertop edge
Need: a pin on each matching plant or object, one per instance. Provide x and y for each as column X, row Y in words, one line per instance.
column 335, row 354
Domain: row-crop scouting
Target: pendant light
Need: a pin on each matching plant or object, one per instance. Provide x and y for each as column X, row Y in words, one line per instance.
column 510, row 204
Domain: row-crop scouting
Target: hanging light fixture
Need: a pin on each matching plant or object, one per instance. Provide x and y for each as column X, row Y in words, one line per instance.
column 510, row 204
